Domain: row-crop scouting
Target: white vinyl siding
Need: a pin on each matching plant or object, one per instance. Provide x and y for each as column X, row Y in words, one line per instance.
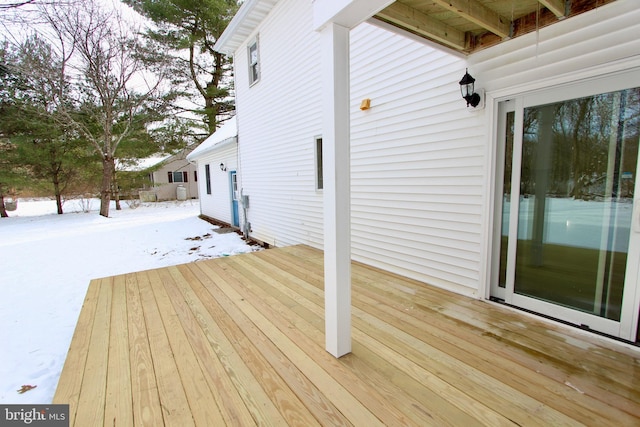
column 217, row 205
column 417, row 162
column 416, row 172
column 277, row 119
column 421, row 161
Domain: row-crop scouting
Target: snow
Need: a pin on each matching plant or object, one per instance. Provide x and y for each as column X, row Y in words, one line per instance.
column 579, row 223
column 142, row 164
column 225, row 134
column 48, row 261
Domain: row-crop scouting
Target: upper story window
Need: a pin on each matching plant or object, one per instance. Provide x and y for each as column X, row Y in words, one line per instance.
column 254, row 61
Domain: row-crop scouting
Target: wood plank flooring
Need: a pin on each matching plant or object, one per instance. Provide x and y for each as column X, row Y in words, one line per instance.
column 239, row 341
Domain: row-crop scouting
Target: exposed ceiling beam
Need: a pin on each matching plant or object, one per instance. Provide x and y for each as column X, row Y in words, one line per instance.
column 555, row 6
column 420, row 23
column 479, row 14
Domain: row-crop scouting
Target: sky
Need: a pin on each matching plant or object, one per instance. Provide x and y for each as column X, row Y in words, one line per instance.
column 47, row 261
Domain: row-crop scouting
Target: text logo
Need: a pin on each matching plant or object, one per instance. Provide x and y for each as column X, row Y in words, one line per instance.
column 34, row 415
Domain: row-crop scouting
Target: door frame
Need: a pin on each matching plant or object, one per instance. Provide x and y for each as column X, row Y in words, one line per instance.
column 235, row 208
column 627, row 327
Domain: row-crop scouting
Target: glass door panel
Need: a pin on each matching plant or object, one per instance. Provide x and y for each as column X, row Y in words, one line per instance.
column 506, row 196
column 577, row 177
column 567, row 219
column 578, row 163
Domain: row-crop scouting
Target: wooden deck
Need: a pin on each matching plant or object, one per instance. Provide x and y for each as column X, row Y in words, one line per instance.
column 239, row 341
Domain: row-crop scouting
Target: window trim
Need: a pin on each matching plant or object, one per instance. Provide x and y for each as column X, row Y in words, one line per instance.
column 207, row 174
column 318, row 162
column 183, row 177
column 251, row 66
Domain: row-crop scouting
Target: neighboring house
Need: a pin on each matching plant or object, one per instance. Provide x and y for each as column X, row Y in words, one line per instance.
column 173, row 172
column 422, row 185
column 217, row 159
column 166, row 174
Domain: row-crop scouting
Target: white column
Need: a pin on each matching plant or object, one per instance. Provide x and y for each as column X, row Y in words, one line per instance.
column 337, row 188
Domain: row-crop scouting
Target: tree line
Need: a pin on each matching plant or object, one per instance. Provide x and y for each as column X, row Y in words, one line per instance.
column 84, row 86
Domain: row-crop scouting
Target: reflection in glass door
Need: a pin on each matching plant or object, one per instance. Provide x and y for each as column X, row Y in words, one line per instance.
column 563, row 238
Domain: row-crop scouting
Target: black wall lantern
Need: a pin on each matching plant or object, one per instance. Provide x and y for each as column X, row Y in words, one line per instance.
column 467, row 89
column 223, row 167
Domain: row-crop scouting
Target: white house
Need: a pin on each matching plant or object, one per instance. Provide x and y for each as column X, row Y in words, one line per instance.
column 216, row 159
column 354, row 138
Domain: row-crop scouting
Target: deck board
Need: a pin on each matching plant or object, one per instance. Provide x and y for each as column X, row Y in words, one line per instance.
column 119, row 395
column 240, row 341
column 94, row 380
column 145, row 403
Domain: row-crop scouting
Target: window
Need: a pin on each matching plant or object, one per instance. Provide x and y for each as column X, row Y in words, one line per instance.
column 254, row 64
column 195, row 176
column 319, row 181
column 178, row 177
column 207, row 178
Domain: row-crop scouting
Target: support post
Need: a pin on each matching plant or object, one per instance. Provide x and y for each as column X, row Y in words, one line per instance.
column 337, row 188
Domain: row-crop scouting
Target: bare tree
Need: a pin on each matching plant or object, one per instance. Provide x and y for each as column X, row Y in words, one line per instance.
column 14, row 13
column 114, row 91
column 4, row 5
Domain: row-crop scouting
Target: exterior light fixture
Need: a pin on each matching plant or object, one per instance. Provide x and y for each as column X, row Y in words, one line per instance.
column 467, row 89
column 223, row 167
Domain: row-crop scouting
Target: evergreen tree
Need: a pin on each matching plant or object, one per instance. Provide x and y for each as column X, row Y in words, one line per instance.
column 189, row 29
column 41, row 141
column 13, row 175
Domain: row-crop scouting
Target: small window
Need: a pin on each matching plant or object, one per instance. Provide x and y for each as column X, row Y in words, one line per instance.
column 170, row 177
column 177, row 177
column 195, row 176
column 207, row 178
column 319, row 180
column 254, row 62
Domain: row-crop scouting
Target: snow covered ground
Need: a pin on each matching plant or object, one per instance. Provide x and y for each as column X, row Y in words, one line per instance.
column 47, row 261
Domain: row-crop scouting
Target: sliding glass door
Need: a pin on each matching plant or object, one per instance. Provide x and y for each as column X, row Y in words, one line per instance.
column 567, row 234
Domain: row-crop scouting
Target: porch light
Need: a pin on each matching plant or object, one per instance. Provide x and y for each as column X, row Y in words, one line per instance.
column 467, row 89
column 223, row 167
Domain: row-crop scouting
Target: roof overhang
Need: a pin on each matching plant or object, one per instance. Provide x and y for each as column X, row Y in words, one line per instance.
column 226, row 135
column 464, row 26
column 467, row 26
column 245, row 22
column 139, row 165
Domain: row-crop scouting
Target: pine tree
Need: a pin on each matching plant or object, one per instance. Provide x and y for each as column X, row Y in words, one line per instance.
column 39, row 143
column 189, row 29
